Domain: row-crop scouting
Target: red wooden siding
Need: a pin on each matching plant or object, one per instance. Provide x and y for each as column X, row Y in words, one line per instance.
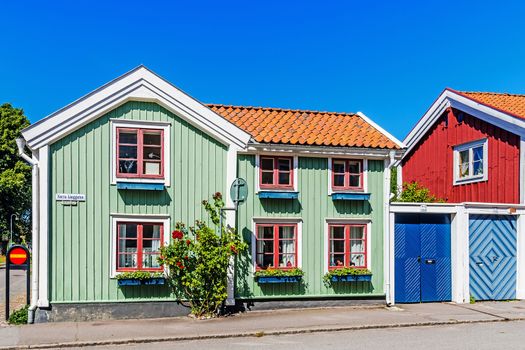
column 430, row 163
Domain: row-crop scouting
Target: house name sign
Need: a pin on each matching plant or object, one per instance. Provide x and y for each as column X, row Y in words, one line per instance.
column 70, row 197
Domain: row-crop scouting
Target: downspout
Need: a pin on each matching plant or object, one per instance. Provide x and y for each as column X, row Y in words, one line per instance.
column 35, row 243
column 386, row 224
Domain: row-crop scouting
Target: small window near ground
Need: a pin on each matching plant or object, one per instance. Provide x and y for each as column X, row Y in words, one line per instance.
column 140, row 153
column 347, row 246
column 138, row 246
column 347, row 174
column 276, row 246
column 470, row 162
column 276, row 172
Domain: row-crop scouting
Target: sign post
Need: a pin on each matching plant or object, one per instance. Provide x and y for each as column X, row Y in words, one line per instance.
column 18, row 258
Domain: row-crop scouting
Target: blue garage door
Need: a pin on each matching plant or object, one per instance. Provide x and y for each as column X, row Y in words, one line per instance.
column 422, row 258
column 492, row 241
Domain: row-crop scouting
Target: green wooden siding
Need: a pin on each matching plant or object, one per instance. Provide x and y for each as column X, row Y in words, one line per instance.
column 314, row 206
column 80, row 236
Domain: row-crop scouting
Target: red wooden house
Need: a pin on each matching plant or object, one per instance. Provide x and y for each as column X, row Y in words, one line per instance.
column 468, row 146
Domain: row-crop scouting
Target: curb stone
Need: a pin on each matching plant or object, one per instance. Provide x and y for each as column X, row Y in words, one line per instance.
column 251, row 334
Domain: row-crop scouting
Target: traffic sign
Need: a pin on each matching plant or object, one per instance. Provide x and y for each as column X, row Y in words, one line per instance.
column 17, row 256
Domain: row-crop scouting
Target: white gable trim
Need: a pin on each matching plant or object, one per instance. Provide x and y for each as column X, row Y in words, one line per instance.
column 139, row 84
column 381, row 130
column 450, row 98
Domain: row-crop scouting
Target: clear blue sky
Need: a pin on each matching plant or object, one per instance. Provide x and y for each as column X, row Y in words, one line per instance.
column 388, row 59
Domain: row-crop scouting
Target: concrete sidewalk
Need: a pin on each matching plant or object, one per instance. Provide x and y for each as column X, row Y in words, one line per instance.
column 69, row 334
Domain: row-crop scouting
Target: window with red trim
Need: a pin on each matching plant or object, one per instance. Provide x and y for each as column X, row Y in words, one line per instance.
column 276, row 172
column 347, row 174
column 138, row 246
column 140, row 153
column 276, row 246
column 347, row 246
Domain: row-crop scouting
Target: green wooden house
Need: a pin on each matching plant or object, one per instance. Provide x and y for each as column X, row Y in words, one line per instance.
column 115, row 170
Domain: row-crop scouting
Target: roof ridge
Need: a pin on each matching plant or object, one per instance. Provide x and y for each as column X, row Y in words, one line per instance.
column 281, row 109
column 492, row 93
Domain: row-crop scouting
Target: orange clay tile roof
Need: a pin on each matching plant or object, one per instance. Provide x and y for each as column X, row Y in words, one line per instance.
column 301, row 127
column 507, row 103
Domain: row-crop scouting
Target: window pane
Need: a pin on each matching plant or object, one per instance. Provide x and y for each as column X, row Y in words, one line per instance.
column 337, row 232
column 337, row 246
column 357, row 232
column 127, row 152
column 355, row 181
column 151, row 231
column 152, row 138
column 354, row 168
column 339, row 166
column 150, row 261
column 463, row 156
column 287, row 260
column 267, row 163
column 357, row 260
column 151, row 168
column 463, row 169
column 127, row 261
column 477, row 168
column 127, row 230
column 127, row 246
column 284, row 178
column 129, row 137
column 284, row 164
column 152, row 153
column 357, row 246
column 127, row 166
column 265, row 232
column 264, row 261
column 264, row 246
column 286, row 232
column 478, row 153
column 287, row 246
column 267, row 178
column 337, row 260
column 339, row 180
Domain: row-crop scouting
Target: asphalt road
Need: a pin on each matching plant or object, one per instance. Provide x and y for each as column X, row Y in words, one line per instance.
column 478, row 336
column 18, row 284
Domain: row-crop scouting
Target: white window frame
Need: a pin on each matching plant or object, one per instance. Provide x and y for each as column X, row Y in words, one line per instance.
column 161, row 219
column 364, row 170
column 142, row 124
column 266, row 220
column 470, row 146
column 295, row 161
column 369, row 238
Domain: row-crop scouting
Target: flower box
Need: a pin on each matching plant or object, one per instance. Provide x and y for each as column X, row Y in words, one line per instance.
column 137, row 282
column 352, row 278
column 278, row 279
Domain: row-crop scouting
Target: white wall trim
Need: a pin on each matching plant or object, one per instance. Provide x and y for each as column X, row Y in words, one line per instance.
column 139, row 84
column 520, row 258
column 165, row 221
column 522, row 170
column 166, row 127
column 43, row 266
column 268, row 220
column 321, row 151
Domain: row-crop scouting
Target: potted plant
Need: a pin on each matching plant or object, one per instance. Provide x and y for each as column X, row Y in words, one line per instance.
column 137, row 278
column 348, row 274
column 270, row 275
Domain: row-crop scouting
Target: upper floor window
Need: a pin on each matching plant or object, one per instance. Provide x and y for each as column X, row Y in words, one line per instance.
column 140, row 153
column 276, row 246
column 347, row 174
column 470, row 162
column 347, row 246
column 138, row 246
column 276, row 172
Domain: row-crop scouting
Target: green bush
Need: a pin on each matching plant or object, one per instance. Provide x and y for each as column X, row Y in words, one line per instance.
column 344, row 271
column 198, row 258
column 269, row 272
column 19, row 316
column 413, row 192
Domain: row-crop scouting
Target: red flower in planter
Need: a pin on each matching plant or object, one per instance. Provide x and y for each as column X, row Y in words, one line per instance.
column 177, row 234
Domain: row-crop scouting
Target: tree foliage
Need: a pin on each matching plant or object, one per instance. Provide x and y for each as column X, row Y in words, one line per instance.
column 413, row 192
column 197, row 260
column 15, row 174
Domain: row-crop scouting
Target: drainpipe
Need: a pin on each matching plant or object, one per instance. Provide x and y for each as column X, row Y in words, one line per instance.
column 21, row 143
column 386, row 224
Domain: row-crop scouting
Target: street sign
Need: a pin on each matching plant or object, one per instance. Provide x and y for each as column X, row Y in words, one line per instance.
column 18, row 258
column 239, row 191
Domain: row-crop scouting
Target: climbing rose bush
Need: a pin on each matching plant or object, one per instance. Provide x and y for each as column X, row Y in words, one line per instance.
column 198, row 258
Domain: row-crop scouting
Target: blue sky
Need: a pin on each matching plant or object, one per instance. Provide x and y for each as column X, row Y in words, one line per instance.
column 387, row 59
